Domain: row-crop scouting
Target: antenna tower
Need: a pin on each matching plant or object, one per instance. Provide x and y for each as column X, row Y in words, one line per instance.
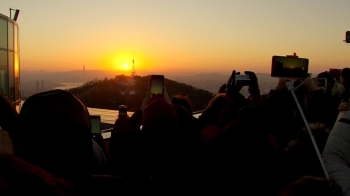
column 133, row 72
column 83, row 73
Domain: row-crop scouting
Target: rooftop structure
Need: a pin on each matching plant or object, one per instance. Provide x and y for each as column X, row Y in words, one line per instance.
column 10, row 60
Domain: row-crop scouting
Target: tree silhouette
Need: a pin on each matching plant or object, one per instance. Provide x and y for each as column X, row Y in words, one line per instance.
column 130, row 91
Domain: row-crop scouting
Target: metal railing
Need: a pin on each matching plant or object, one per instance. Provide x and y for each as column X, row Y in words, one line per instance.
column 106, row 133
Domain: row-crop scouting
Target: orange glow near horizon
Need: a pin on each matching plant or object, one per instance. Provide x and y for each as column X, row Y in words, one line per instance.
column 121, row 60
column 172, row 36
column 124, row 61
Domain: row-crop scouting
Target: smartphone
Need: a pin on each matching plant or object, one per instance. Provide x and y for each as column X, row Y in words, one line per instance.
column 242, row 80
column 289, row 67
column 322, row 82
column 123, row 110
column 157, row 85
column 95, row 124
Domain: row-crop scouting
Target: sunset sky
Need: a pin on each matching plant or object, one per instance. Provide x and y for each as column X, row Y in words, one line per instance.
column 199, row 36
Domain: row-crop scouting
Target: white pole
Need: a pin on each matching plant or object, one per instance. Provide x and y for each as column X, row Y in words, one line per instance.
column 290, row 87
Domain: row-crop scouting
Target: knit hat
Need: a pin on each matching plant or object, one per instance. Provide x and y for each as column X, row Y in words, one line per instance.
column 157, row 115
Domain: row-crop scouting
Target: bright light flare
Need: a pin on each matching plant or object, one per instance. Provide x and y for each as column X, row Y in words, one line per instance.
column 125, row 61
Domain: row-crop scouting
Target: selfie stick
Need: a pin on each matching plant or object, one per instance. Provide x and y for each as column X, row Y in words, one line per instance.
column 290, row 87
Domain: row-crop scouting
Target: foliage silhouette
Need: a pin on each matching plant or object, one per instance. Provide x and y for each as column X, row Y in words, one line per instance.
column 130, row 91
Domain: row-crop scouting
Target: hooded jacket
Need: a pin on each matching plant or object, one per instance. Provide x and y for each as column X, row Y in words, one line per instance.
column 336, row 154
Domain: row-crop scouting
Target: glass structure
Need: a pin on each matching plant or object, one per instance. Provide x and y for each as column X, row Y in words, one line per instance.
column 9, row 61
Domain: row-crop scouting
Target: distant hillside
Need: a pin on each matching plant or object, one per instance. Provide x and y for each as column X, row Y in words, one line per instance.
column 66, row 76
column 33, row 82
column 38, row 81
column 212, row 82
column 130, row 91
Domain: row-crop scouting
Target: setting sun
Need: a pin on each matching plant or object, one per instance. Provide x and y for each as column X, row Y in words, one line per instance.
column 125, row 61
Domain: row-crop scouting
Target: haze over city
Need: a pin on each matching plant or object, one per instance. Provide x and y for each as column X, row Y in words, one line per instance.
column 196, row 36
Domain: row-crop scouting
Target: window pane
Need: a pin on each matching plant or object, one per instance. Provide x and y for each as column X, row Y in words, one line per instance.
column 17, row 86
column 11, row 78
column 3, row 33
column 3, row 73
column 10, row 38
column 18, row 40
column 15, row 39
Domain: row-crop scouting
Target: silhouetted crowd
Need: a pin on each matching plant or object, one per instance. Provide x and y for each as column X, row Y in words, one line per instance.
column 256, row 145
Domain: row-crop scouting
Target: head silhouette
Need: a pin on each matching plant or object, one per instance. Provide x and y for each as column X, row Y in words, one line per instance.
column 329, row 77
column 183, row 101
column 157, row 115
column 345, row 81
column 56, row 132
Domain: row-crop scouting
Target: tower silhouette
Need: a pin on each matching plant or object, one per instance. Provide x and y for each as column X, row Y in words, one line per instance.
column 42, row 84
column 83, row 73
column 133, row 71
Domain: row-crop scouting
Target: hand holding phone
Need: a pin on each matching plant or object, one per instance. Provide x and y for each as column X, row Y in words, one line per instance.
column 231, row 87
column 282, row 83
column 157, row 85
column 253, row 89
column 242, row 80
column 156, row 88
